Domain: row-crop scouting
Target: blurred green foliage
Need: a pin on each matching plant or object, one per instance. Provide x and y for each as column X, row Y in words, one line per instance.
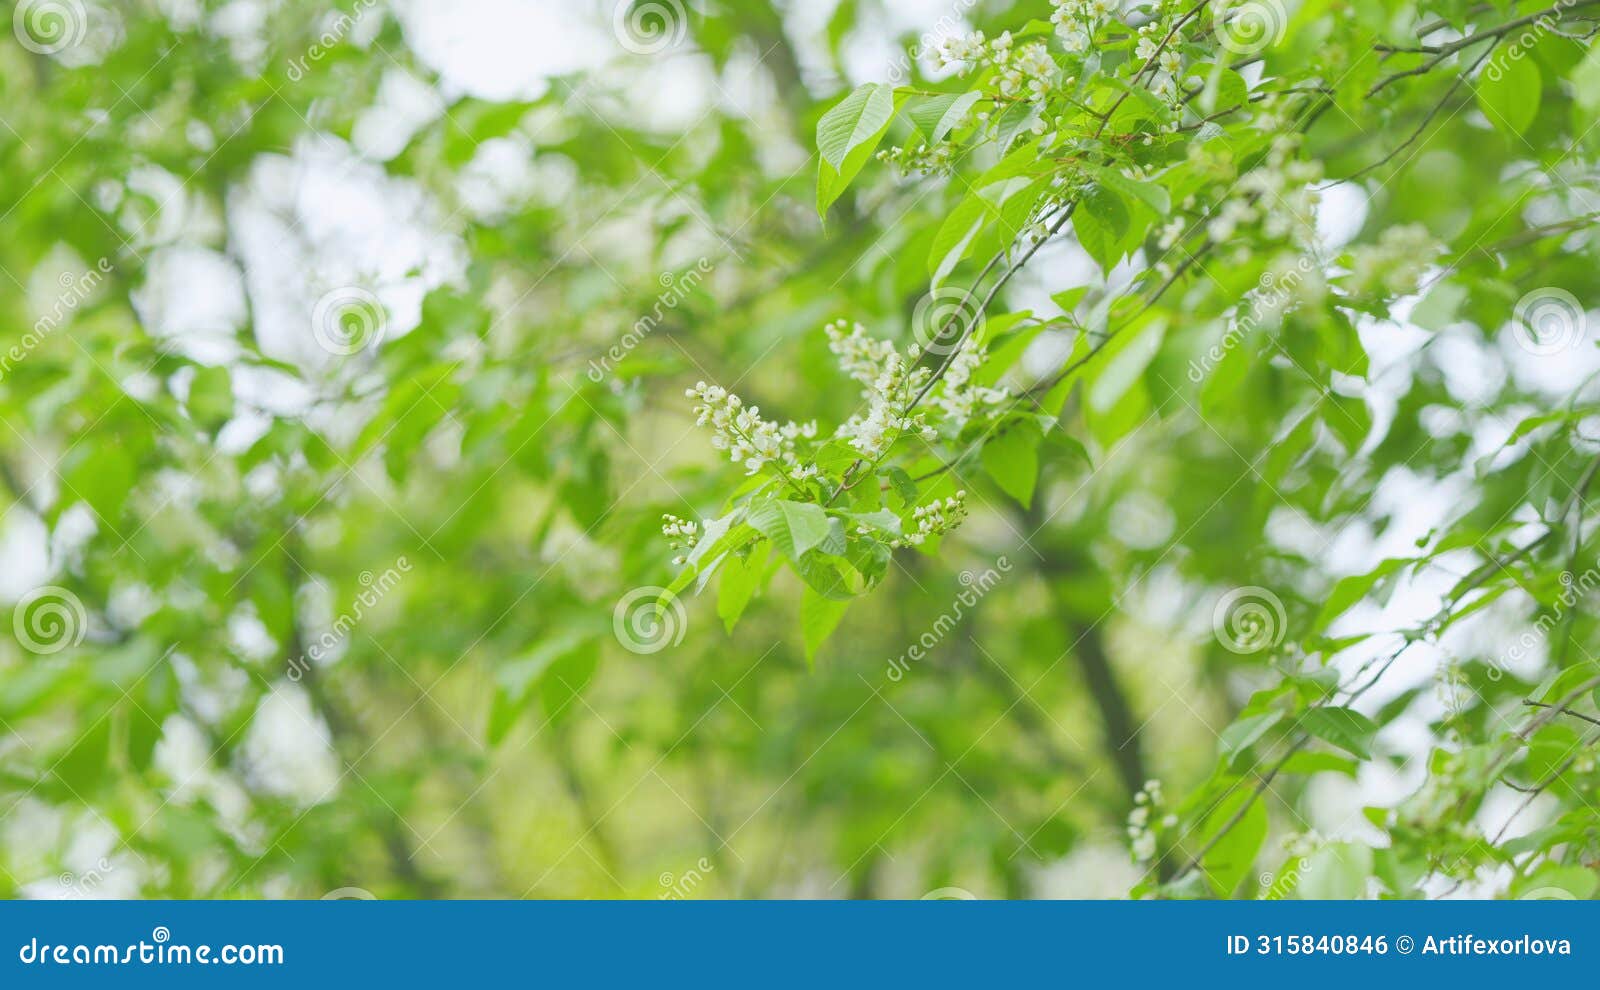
column 344, row 396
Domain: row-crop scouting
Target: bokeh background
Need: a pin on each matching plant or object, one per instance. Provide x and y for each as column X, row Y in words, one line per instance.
column 345, row 394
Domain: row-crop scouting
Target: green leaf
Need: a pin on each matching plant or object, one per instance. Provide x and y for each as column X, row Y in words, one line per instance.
column 902, row 484
column 880, row 519
column 741, row 576
column 793, row 527
column 1352, row 589
column 819, row 617
column 1012, row 459
column 856, row 119
column 1345, row 728
column 1148, row 193
column 1224, row 88
column 514, row 681
column 1240, row 735
column 717, row 537
column 1231, row 859
column 937, row 115
column 1508, row 92
column 987, row 220
column 1585, row 79
column 1101, row 221
column 846, row 137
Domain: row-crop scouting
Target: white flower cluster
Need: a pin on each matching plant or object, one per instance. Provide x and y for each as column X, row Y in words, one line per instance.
column 934, row 519
column 1278, row 194
column 750, row 440
column 1141, row 830
column 957, row 396
column 1077, row 21
column 1149, row 42
column 890, row 386
column 1164, row 63
column 861, row 355
column 1021, row 72
column 888, row 414
column 935, row 159
column 1396, row 264
column 679, row 532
